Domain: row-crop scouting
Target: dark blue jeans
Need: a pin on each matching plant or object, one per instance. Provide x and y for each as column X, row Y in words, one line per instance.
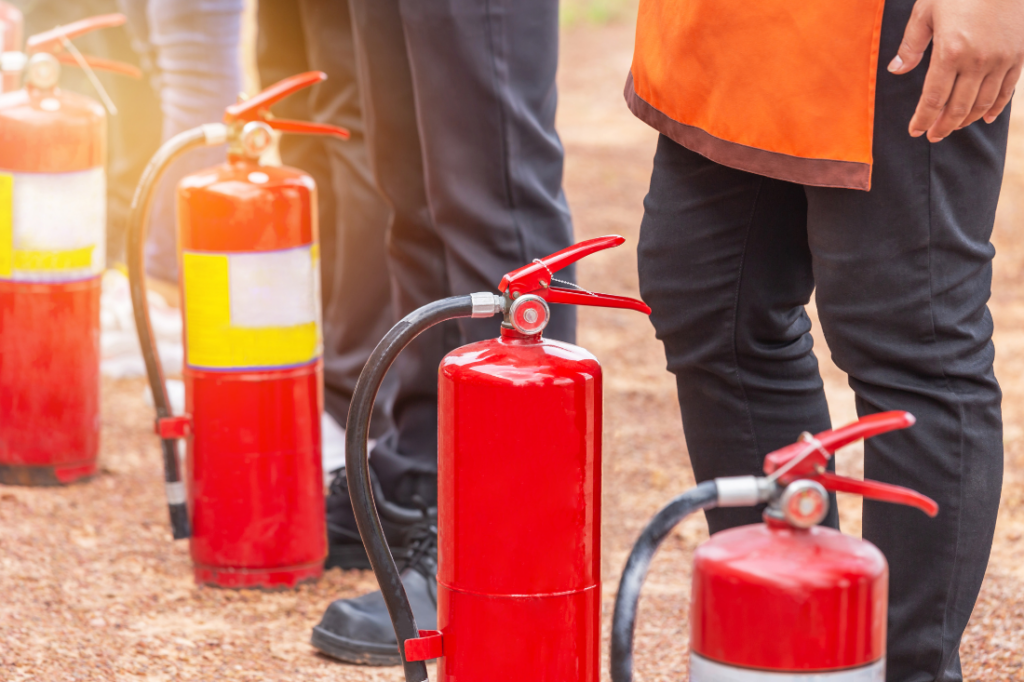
column 902, row 276
column 193, row 46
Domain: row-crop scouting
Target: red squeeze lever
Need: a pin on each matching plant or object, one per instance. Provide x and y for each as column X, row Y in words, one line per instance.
column 258, row 108
column 53, row 41
column 807, row 459
column 536, row 278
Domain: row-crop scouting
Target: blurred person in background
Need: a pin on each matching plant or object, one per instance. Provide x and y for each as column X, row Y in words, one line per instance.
column 191, row 51
column 459, row 105
column 296, row 36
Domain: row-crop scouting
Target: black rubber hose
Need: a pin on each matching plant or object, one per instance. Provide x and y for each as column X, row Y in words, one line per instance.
column 704, row 496
column 357, row 465
column 138, row 221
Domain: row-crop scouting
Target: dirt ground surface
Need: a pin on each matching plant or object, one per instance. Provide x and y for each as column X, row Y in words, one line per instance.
column 94, row 589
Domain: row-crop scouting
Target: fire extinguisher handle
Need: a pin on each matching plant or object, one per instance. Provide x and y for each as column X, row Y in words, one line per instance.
column 53, row 40
column 307, row 128
column 536, row 278
column 811, row 453
column 255, row 108
column 100, row 64
column 883, row 492
column 56, row 40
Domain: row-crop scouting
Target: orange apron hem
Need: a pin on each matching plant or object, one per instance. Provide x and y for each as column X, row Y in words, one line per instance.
column 799, row 170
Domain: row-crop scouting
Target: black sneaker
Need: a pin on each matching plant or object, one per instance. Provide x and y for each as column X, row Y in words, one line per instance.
column 344, row 546
column 360, row 631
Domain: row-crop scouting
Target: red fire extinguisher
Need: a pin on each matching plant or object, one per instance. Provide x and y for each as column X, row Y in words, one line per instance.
column 519, row 487
column 250, row 290
column 12, row 26
column 52, row 252
column 784, row 600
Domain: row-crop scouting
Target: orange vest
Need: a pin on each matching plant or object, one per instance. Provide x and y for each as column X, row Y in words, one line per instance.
column 781, row 88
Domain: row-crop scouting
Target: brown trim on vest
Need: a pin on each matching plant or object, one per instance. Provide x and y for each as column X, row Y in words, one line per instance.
column 802, row 171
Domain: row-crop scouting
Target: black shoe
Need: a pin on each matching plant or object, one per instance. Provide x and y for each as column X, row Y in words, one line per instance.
column 344, row 546
column 360, row 630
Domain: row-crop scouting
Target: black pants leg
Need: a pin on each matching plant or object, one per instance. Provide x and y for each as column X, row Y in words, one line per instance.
column 903, row 275
column 460, row 101
column 725, row 266
column 296, row 37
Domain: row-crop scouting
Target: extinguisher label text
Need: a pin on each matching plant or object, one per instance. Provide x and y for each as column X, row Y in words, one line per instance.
column 52, row 226
column 252, row 310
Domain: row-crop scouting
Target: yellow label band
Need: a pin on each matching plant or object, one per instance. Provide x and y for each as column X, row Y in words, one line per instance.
column 217, row 339
column 52, row 226
column 6, row 225
column 53, row 260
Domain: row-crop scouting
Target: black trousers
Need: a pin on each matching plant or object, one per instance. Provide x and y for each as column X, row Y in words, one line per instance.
column 459, row 102
column 314, row 34
column 902, row 275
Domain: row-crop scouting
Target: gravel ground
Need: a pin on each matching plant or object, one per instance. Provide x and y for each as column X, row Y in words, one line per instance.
column 94, row 589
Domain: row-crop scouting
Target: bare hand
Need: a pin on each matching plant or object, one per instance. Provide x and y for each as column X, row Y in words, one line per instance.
column 976, row 61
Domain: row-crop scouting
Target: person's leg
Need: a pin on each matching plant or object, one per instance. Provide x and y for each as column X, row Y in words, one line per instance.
column 406, row 457
column 903, row 274
column 357, row 305
column 479, row 77
column 483, row 72
column 725, row 268
column 196, row 46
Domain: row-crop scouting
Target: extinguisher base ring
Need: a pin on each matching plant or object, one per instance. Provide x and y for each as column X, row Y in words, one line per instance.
column 46, row 476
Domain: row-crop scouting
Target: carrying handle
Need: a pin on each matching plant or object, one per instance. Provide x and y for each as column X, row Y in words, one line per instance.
column 53, row 41
column 811, row 453
column 257, row 108
column 883, row 492
column 536, row 278
column 806, row 459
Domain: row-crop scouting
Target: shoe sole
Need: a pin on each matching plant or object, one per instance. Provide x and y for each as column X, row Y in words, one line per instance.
column 351, row 651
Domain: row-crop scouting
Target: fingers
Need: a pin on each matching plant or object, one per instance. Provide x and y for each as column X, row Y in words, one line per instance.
column 958, row 107
column 938, row 85
column 988, row 93
column 1005, row 93
column 915, row 39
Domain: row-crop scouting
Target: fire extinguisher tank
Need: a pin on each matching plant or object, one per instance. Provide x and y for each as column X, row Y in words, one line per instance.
column 250, row 291
column 750, row 584
column 52, row 253
column 519, row 511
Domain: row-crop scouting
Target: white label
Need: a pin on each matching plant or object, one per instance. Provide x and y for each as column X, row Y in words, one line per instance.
column 273, row 289
column 58, row 227
column 703, row 670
